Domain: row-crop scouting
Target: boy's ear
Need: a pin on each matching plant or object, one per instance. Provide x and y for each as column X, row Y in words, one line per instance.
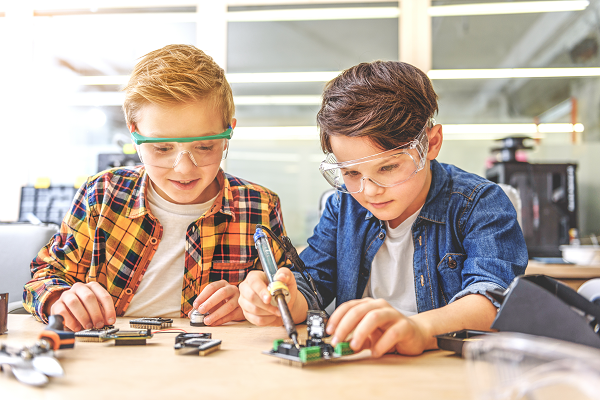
column 436, row 137
column 233, row 122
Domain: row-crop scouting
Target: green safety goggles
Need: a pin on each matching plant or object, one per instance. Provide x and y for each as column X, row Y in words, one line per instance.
column 168, row 152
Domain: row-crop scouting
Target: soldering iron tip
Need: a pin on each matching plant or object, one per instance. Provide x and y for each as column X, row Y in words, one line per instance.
column 295, row 340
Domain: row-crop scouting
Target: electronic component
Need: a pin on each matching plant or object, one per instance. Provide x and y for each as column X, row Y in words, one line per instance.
column 130, row 338
column 196, row 343
column 197, row 319
column 315, row 325
column 95, row 335
column 151, row 323
column 315, row 349
column 308, row 354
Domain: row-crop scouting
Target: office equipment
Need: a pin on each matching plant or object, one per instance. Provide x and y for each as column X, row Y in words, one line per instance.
column 48, row 205
column 113, row 160
column 540, row 305
column 548, row 195
column 455, row 341
column 278, row 290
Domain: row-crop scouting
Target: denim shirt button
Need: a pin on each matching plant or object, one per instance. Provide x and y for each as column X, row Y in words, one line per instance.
column 381, row 235
column 451, row 263
column 363, row 272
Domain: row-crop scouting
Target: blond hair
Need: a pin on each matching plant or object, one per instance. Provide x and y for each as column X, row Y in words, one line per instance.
column 177, row 73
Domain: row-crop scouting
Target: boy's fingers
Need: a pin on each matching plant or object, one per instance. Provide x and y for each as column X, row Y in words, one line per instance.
column 259, row 288
column 375, row 320
column 235, row 315
column 352, row 318
column 106, row 303
column 71, row 323
column 286, row 276
column 390, row 338
column 88, row 298
column 227, row 303
column 219, row 296
column 256, row 307
column 208, row 291
column 73, row 304
column 338, row 314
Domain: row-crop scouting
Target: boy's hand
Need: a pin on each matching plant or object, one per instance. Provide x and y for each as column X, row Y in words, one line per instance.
column 377, row 326
column 220, row 300
column 84, row 306
column 255, row 299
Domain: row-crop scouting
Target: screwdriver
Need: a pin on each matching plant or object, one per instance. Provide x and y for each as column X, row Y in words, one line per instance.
column 278, row 290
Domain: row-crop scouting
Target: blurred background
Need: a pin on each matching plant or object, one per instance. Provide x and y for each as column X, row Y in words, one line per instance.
column 501, row 69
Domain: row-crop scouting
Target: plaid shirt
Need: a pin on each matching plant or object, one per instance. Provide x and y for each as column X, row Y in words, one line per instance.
column 109, row 236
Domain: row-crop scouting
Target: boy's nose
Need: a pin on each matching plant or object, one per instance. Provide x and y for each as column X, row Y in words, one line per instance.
column 370, row 188
column 183, row 163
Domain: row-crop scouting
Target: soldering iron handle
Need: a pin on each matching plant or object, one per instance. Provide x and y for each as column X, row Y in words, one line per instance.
column 265, row 254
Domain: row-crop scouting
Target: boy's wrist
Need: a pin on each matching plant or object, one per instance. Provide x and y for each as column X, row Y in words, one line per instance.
column 299, row 309
column 426, row 330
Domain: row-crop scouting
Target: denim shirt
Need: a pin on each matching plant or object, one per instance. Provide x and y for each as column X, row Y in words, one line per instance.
column 467, row 240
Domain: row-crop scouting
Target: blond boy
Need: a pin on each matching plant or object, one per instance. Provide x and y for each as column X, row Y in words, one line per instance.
column 172, row 234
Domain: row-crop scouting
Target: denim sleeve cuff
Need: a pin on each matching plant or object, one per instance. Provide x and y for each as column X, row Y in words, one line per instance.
column 304, row 288
column 479, row 288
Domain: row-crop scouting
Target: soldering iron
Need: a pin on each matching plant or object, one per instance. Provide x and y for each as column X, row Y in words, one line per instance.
column 278, row 290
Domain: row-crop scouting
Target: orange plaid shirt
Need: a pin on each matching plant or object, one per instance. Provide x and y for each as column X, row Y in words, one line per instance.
column 110, row 236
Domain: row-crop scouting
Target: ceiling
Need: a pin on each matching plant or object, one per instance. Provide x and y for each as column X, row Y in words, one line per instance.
column 82, row 42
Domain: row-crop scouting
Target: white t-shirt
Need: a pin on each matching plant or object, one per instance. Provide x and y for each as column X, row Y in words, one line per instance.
column 159, row 293
column 392, row 275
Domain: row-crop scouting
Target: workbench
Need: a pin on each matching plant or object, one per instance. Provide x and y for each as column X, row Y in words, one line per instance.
column 571, row 274
column 238, row 371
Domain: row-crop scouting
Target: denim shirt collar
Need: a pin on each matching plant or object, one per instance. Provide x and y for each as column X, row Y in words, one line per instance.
column 436, row 204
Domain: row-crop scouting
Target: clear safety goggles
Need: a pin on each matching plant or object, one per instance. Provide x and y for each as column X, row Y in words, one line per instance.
column 387, row 169
column 167, row 152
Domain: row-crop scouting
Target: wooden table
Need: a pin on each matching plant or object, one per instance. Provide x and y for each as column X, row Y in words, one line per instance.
column 570, row 274
column 238, row 370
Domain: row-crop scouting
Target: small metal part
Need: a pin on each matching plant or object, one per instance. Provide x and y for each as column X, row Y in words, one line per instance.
column 130, row 338
column 95, row 335
column 151, row 323
column 197, row 346
column 197, row 319
column 316, row 320
column 182, row 337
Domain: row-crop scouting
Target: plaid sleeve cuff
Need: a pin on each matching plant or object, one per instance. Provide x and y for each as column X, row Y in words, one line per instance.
column 35, row 300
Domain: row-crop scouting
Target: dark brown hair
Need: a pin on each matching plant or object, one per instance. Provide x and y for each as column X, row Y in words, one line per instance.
column 387, row 101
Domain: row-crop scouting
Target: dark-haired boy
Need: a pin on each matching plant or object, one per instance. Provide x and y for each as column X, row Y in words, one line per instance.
column 408, row 247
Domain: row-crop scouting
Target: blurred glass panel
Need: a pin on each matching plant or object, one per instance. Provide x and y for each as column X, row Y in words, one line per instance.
column 290, row 168
column 77, row 122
